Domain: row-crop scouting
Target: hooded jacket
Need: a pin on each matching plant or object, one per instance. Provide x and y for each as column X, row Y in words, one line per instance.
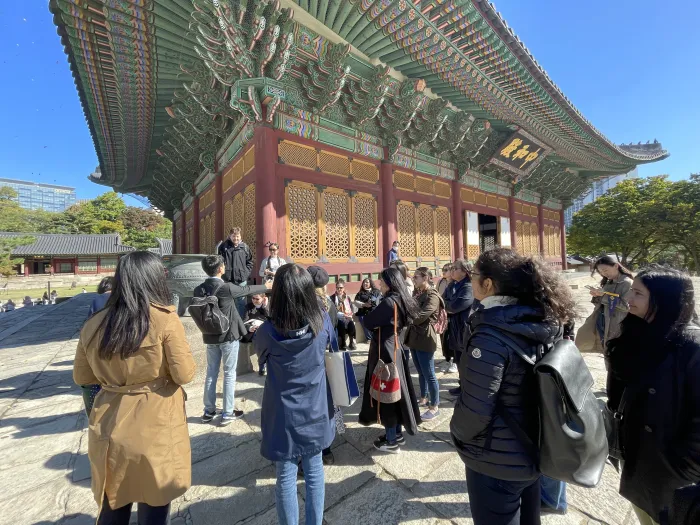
column 238, row 261
column 297, row 408
column 458, row 302
column 492, row 375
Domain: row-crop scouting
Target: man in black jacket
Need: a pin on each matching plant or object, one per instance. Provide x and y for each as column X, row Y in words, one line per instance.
column 239, row 263
column 459, row 299
column 223, row 347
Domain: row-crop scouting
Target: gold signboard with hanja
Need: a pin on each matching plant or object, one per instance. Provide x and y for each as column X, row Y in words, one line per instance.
column 521, row 153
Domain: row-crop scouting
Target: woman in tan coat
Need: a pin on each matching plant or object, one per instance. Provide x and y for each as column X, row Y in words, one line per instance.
column 136, row 349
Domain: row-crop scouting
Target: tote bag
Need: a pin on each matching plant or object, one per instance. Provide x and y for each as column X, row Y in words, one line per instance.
column 341, row 375
column 385, row 386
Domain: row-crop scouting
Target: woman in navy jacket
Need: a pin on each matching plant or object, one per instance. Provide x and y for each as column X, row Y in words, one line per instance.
column 297, row 409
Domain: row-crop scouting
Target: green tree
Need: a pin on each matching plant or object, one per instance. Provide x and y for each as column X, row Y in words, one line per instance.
column 143, row 227
column 100, row 215
column 625, row 221
column 7, row 244
column 14, row 218
column 680, row 224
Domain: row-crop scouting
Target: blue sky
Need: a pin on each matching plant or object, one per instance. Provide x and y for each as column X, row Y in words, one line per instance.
column 631, row 66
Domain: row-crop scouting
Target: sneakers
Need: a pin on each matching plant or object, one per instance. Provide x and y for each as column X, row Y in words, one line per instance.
column 423, row 402
column 261, row 372
column 352, row 345
column 383, row 445
column 455, row 391
column 400, row 440
column 451, row 368
column 328, row 459
column 207, row 417
column 228, row 419
column 430, row 414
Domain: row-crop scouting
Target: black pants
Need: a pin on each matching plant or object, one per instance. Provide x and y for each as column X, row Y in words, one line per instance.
column 147, row 515
column 343, row 329
column 499, row 502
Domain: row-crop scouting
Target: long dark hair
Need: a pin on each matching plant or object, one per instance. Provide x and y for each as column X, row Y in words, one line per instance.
column 105, row 285
column 293, row 304
column 606, row 260
column 372, row 286
column 671, row 299
column 528, row 280
column 397, row 285
column 138, row 282
column 401, row 267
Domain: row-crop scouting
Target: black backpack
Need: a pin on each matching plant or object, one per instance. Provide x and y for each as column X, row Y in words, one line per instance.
column 207, row 315
column 572, row 445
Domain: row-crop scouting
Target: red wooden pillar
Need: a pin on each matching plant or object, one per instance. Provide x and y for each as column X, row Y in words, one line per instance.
column 183, row 232
column 266, row 191
column 99, row 264
column 562, row 226
column 457, row 220
column 26, row 268
column 513, row 233
column 219, row 209
column 540, row 228
column 195, row 226
column 388, row 219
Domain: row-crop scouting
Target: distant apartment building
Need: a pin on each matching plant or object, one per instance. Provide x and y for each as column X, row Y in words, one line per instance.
column 35, row 195
column 598, row 188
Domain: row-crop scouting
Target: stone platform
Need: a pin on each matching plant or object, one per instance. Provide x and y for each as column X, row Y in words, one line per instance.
column 45, row 474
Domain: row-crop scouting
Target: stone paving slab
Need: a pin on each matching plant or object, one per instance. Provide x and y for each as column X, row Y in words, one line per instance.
column 45, row 473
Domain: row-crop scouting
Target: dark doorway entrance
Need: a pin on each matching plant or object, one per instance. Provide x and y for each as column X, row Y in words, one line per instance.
column 488, row 232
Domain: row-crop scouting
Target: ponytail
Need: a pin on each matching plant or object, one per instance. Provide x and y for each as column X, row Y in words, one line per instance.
column 529, row 280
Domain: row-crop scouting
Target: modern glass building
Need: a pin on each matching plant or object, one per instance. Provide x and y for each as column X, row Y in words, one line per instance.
column 34, row 195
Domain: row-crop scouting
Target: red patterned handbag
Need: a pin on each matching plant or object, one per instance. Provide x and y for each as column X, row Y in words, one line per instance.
column 385, row 385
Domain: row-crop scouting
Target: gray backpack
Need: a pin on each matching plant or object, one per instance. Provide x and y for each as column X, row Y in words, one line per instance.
column 572, row 445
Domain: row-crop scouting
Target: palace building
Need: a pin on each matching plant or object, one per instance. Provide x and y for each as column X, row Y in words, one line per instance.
column 335, row 127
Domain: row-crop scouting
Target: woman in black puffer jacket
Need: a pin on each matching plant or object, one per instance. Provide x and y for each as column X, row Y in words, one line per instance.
column 525, row 301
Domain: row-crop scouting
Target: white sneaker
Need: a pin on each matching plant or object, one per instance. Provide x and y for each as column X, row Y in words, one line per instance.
column 452, row 369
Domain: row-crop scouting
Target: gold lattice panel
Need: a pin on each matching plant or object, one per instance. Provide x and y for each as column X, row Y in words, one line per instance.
column 520, row 237
column 426, row 227
column 404, row 181
column 294, row 154
column 228, row 217
column 212, row 232
column 249, row 218
column 237, row 212
column 443, row 189
column 406, row 214
column 364, row 171
column 425, row 186
column 334, row 164
column 444, row 237
column 303, row 225
column 249, row 160
column 365, row 211
column 202, row 237
column 335, row 214
column 189, row 214
column 534, row 239
column 473, row 252
column 189, row 240
column 557, row 243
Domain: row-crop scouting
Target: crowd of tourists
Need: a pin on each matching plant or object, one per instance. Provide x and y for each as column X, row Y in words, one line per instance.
column 494, row 321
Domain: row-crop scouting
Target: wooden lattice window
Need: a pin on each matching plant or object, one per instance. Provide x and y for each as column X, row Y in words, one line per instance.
column 302, row 214
column 249, row 160
column 534, row 239
column 237, row 212
column 336, row 218
column 365, row 222
column 404, row 181
column 557, row 241
column 364, row 171
column 333, row 163
column 520, row 237
column 425, row 186
column 294, row 154
column 228, row 217
column 443, row 189
column 444, row 235
column 406, row 229
column 233, row 175
column 426, row 231
column 189, row 240
column 202, row 237
column 189, row 214
column 249, row 218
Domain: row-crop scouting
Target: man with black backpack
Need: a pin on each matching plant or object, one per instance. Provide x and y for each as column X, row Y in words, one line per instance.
column 213, row 309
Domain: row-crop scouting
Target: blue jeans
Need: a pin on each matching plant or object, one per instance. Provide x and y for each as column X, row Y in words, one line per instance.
column 499, row 502
column 286, row 490
column 425, row 365
column 368, row 333
column 553, row 493
column 241, row 302
column 228, row 353
column 392, row 433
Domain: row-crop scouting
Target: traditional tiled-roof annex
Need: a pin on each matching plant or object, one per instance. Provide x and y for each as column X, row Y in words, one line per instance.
column 335, row 127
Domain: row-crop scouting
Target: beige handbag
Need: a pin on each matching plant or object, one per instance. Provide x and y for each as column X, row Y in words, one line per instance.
column 385, row 385
column 587, row 338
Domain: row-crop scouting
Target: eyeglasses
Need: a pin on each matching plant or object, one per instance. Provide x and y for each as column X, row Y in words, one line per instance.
column 339, row 288
column 273, row 249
